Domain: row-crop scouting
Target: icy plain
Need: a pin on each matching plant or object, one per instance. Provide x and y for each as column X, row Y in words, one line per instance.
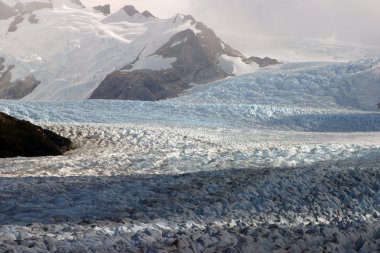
column 282, row 160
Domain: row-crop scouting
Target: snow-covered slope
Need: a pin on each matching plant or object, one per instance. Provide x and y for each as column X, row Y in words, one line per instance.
column 71, row 49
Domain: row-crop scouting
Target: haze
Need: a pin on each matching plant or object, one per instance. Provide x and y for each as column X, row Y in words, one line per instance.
column 349, row 20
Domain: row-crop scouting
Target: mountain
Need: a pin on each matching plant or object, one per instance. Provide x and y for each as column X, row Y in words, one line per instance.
column 105, row 9
column 60, row 50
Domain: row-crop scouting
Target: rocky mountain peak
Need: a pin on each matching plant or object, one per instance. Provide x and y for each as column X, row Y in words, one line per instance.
column 105, row 9
column 147, row 14
column 130, row 10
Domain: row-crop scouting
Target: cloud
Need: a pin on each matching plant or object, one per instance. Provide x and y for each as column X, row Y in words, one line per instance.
column 349, row 20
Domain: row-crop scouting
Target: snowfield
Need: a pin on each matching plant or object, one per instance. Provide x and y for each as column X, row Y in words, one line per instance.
column 282, row 160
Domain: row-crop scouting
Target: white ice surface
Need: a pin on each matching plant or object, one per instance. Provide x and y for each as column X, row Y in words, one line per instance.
column 131, row 186
column 234, row 165
column 236, row 66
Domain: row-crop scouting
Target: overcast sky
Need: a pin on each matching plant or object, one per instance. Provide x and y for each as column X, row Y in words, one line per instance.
column 348, row 20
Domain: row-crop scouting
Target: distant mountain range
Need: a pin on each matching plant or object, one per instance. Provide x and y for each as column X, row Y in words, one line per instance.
column 61, row 50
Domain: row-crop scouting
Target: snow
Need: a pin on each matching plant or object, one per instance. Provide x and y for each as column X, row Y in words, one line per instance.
column 179, row 42
column 236, row 66
column 64, row 4
column 154, row 62
column 87, row 47
column 354, row 85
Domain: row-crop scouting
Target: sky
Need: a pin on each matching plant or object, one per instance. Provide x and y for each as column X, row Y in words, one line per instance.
column 354, row 21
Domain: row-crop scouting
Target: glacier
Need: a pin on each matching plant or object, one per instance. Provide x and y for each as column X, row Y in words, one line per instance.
column 280, row 160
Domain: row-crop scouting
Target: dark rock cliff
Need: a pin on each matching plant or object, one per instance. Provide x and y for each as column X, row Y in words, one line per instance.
column 22, row 138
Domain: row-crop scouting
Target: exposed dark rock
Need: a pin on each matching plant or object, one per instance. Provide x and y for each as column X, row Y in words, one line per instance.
column 147, row 14
column 194, row 62
column 146, row 85
column 32, row 19
column 17, row 89
column 262, row 62
column 2, row 67
column 6, row 11
column 22, row 138
column 17, row 20
column 105, row 9
column 130, row 10
column 212, row 43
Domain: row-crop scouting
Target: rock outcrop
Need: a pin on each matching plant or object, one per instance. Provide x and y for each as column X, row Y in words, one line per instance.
column 105, row 9
column 147, row 14
column 22, row 138
column 263, row 62
column 130, row 10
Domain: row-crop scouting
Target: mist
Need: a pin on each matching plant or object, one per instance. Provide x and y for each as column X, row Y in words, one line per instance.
column 343, row 20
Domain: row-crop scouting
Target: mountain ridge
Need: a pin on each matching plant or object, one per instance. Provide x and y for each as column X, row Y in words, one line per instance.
column 88, row 47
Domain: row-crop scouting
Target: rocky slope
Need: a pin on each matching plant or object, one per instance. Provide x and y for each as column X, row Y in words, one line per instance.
column 95, row 53
column 22, row 138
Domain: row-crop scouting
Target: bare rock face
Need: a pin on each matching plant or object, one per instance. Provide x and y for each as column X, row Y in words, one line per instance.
column 16, row 21
column 14, row 89
column 22, row 138
column 145, row 85
column 130, row 10
column 105, row 9
column 262, row 62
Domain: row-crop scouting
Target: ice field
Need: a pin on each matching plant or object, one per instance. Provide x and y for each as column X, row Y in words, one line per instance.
column 281, row 160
